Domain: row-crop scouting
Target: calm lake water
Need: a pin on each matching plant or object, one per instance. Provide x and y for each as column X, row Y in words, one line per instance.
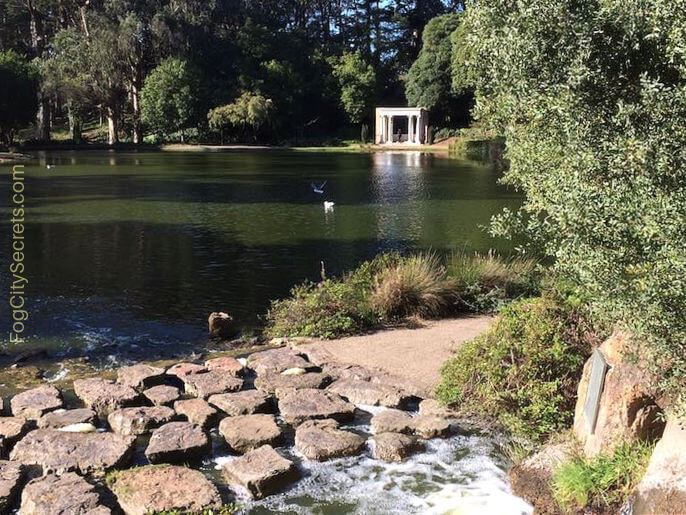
column 129, row 252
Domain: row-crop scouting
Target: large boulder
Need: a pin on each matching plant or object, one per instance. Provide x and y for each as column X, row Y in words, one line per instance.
column 57, row 451
column 628, row 410
column 177, row 442
column 262, row 472
column 197, row 411
column 278, row 360
column 163, row 488
column 431, row 426
column 62, row 418
column 210, row 383
column 296, row 406
column 162, row 395
column 246, row 432
column 322, row 440
column 662, row 491
column 183, row 369
column 371, row 393
column 12, row 429
column 392, row 421
column 139, row 420
column 395, row 446
column 65, row 494
column 221, row 325
column 273, row 382
column 104, row 396
column 433, row 407
column 243, row 403
column 226, row 364
column 32, row 404
column 11, row 477
column 140, row 377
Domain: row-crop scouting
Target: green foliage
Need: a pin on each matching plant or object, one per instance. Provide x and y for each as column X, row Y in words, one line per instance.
column 18, row 94
column 591, row 97
column 524, row 371
column 357, row 81
column 171, row 98
column 250, row 111
column 600, row 482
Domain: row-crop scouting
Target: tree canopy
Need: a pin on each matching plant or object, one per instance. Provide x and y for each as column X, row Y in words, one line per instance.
column 18, row 94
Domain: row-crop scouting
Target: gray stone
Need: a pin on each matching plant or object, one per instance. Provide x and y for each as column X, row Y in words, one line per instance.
column 13, row 428
column 139, row 420
column 431, row 426
column 277, row 360
column 433, row 407
column 296, row 406
column 392, row 421
column 163, row 488
column 65, row 494
column 58, row 451
column 62, row 418
column 226, row 364
column 272, row 382
column 197, row 411
column 140, row 377
column 221, row 325
column 322, row 440
column 162, row 395
column 243, row 403
column 262, row 472
column 395, row 446
column 340, row 371
column 246, row 432
column 184, row 369
column 209, row 383
column 32, row 404
column 104, row 396
column 370, row 393
column 177, row 442
column 11, row 476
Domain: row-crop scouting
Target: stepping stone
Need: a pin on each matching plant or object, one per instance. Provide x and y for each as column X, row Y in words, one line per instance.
column 243, row 403
column 162, row 395
column 11, row 477
column 63, row 418
column 322, row 440
column 140, row 377
column 433, row 407
column 246, row 432
column 58, row 451
column 371, row 394
column 262, row 472
column 296, row 406
column 431, row 426
column 12, row 429
column 32, row 404
column 339, row 371
column 196, row 411
column 177, row 442
column 184, row 369
column 392, row 421
column 104, row 396
column 208, row 383
column 277, row 360
column 163, row 489
column 272, row 382
column 226, row 364
column 395, row 446
column 65, row 494
column 139, row 420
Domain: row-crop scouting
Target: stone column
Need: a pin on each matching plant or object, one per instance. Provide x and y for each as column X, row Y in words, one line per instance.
column 390, row 129
column 417, row 128
column 409, row 128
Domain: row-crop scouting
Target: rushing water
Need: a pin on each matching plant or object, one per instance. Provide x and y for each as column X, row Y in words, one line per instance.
column 130, row 251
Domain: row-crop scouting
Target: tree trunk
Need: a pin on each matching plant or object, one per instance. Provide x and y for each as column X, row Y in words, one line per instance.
column 137, row 137
column 75, row 133
column 112, row 126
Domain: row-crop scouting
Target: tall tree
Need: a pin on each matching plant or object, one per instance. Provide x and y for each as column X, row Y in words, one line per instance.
column 18, row 94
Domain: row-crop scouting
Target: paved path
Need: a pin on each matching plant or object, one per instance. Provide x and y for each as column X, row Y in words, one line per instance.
column 415, row 355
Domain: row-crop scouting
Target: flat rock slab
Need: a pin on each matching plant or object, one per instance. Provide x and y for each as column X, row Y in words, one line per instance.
column 226, row 364
column 139, row 420
column 177, row 442
column 13, row 428
column 272, row 382
column 63, row 418
column 342, row 371
column 246, row 432
column 277, row 360
column 162, row 395
column 243, row 403
column 371, row 393
column 395, row 446
column 322, row 440
column 163, row 488
column 196, row 411
column 296, row 406
column 209, row 383
column 392, row 421
column 65, row 494
column 184, row 369
column 140, row 377
column 104, row 396
column 11, row 477
column 32, row 404
column 433, row 407
column 58, row 451
column 431, row 426
column 262, row 472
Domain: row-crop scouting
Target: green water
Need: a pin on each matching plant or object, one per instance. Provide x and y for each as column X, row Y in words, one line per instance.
column 129, row 252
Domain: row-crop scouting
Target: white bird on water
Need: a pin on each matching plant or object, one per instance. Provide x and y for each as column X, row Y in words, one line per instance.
column 50, row 167
column 328, row 205
column 318, row 189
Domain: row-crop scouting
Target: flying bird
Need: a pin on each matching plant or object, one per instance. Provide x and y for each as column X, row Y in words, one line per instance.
column 318, row 189
column 328, row 205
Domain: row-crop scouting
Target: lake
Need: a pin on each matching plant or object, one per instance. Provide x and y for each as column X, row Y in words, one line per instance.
column 129, row 252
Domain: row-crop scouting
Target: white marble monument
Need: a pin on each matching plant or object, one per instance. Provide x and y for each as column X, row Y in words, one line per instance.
column 401, row 126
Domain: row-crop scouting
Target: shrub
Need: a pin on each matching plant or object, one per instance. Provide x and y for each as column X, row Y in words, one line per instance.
column 603, row 481
column 524, row 371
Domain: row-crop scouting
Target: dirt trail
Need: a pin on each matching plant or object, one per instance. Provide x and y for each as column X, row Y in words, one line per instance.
column 415, row 355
